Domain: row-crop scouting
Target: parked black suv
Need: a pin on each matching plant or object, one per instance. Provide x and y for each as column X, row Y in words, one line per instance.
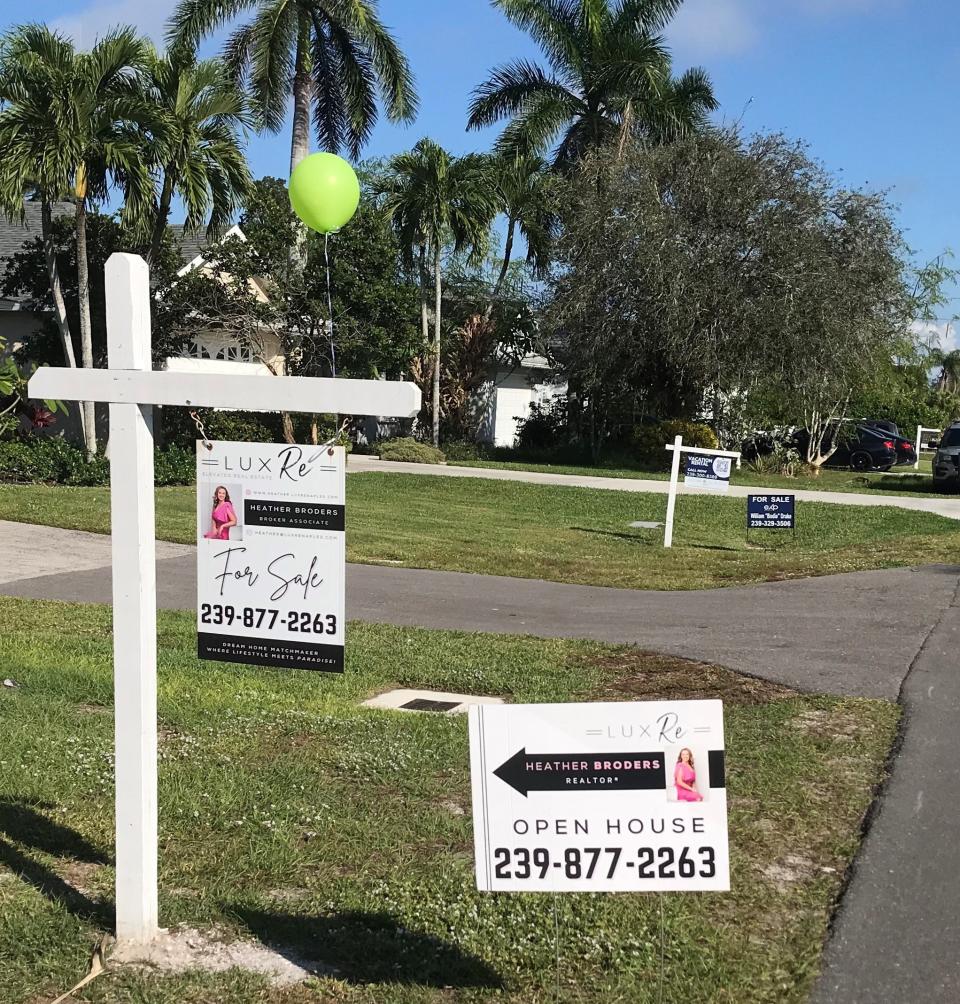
column 946, row 463
column 869, row 448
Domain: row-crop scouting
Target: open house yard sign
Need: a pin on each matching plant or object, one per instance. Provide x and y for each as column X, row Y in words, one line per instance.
column 599, row 797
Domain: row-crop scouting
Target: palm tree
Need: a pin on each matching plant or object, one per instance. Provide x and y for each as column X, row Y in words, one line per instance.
column 523, row 185
column 333, row 55
column 435, row 200
column 193, row 143
column 66, row 131
column 610, row 76
column 948, row 379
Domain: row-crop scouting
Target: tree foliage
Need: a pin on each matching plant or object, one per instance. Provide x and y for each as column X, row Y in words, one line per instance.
column 693, row 277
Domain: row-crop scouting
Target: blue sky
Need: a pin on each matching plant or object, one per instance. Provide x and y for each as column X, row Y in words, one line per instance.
column 872, row 85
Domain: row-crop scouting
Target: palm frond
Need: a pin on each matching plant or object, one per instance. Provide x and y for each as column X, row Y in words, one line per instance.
column 648, row 16
column 509, row 90
column 553, row 25
column 536, row 127
column 273, row 48
column 192, row 20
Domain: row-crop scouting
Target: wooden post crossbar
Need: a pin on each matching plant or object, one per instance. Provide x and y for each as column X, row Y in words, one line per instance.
column 131, row 387
column 678, row 449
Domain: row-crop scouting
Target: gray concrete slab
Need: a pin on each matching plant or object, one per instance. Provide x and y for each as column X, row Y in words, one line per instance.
column 50, row 550
column 845, row 634
column 896, row 936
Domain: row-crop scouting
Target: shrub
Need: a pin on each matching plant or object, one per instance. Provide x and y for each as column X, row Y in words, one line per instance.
column 467, row 449
column 36, row 460
column 545, row 428
column 649, row 440
column 50, row 461
column 180, row 430
column 174, row 466
column 411, row 451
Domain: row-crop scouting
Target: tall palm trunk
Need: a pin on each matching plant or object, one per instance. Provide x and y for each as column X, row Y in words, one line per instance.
column 507, row 255
column 163, row 214
column 300, row 134
column 86, row 334
column 53, row 278
column 436, row 345
column 424, row 299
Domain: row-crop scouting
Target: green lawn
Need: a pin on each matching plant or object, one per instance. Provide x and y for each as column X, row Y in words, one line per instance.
column 900, row 481
column 341, row 834
column 560, row 534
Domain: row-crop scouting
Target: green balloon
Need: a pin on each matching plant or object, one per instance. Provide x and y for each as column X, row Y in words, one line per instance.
column 324, row 192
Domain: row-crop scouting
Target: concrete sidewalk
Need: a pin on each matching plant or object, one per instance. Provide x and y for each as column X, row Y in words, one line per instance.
column 937, row 505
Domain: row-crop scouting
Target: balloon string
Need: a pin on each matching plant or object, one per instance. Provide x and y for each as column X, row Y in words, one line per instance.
column 333, row 351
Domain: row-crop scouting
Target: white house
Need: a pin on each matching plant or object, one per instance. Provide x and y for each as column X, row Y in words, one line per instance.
column 509, row 395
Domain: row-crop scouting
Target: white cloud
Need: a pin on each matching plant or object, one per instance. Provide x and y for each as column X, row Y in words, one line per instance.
column 939, row 334
column 85, row 26
column 705, row 28
column 714, row 28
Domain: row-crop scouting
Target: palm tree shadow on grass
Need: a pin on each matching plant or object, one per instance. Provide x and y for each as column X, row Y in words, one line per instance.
column 367, row 948
column 23, row 829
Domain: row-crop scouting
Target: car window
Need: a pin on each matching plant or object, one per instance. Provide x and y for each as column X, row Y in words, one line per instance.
column 951, row 437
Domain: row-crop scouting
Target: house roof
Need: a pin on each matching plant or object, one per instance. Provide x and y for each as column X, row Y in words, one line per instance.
column 192, row 243
column 14, row 234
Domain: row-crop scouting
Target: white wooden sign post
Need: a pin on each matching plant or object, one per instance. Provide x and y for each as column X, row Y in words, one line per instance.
column 131, row 388
column 678, row 449
column 921, row 429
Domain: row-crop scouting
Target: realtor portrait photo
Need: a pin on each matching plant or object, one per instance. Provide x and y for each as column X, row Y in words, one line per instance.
column 685, row 781
column 220, row 513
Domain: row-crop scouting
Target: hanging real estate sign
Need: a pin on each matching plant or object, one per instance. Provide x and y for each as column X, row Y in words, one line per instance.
column 771, row 512
column 705, row 471
column 271, row 554
column 599, row 797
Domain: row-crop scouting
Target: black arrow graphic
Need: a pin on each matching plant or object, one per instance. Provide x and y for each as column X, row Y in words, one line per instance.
column 527, row 772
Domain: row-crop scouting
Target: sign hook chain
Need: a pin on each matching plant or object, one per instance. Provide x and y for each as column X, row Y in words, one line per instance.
column 201, row 430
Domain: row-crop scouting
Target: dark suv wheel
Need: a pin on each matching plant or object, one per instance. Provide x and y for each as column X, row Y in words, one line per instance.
column 861, row 462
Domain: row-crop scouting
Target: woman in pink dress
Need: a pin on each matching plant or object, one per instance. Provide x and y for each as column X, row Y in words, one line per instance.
column 685, row 778
column 223, row 516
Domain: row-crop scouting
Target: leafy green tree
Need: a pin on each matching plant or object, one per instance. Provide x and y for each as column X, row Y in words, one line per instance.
column 193, row 142
column 25, row 278
column 610, row 76
column 696, row 276
column 436, row 201
column 332, row 56
column 68, row 129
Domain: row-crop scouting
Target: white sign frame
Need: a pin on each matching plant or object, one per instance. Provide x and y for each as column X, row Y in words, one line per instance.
column 678, row 449
column 131, row 387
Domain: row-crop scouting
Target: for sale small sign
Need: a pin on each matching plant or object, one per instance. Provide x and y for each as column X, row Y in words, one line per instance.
column 706, row 471
column 271, row 556
column 599, row 797
column 771, row 512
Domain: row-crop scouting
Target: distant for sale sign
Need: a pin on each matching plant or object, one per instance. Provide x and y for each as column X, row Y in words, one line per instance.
column 771, row 512
column 705, row 471
column 599, row 797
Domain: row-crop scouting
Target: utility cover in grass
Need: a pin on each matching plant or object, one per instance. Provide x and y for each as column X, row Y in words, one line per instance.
column 428, row 701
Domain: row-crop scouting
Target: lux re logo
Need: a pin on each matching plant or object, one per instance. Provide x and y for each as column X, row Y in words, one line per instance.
column 290, row 458
column 667, row 725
